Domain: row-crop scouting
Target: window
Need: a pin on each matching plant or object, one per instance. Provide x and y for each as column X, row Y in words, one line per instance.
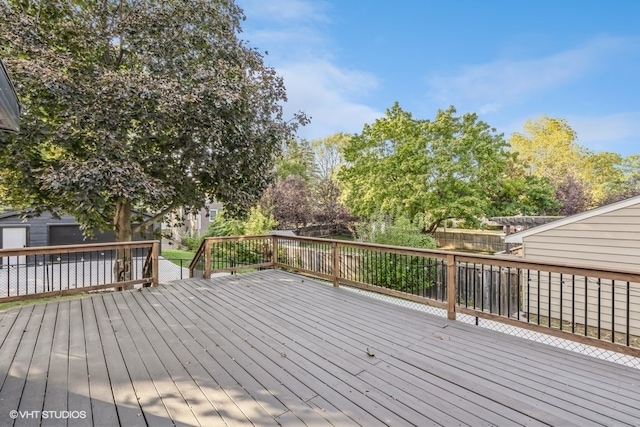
column 212, row 214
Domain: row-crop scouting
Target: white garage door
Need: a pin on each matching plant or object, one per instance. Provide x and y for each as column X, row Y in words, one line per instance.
column 14, row 237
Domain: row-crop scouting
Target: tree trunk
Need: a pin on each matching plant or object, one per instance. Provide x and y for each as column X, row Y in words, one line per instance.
column 122, row 227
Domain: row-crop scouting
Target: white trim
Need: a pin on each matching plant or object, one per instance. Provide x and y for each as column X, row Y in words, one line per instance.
column 517, row 237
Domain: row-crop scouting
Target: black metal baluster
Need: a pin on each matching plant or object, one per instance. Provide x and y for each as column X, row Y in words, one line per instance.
column 613, row 311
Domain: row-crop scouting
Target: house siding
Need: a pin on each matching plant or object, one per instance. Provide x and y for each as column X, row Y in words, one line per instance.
column 37, row 227
column 610, row 241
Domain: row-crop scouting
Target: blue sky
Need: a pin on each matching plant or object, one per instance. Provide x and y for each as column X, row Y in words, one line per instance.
column 344, row 62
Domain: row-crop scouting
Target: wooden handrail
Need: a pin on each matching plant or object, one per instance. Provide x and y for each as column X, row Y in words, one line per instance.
column 496, row 260
column 31, row 277
column 64, row 249
column 329, row 259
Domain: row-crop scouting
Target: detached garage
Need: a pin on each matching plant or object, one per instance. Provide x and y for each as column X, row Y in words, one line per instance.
column 45, row 230
column 607, row 237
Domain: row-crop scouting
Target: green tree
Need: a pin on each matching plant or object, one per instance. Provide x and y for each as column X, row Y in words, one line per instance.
column 260, row 221
column 297, row 159
column 548, row 147
column 449, row 167
column 328, row 154
column 137, row 104
column 521, row 193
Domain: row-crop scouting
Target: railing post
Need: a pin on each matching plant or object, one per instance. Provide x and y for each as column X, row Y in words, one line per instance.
column 336, row 264
column 155, row 254
column 274, row 250
column 452, row 279
column 207, row 259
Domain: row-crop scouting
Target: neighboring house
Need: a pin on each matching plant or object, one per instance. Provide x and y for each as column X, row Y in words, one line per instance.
column 45, row 230
column 9, row 105
column 184, row 223
column 607, row 237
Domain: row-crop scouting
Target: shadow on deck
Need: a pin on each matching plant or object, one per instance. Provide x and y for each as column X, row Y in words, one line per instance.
column 275, row 348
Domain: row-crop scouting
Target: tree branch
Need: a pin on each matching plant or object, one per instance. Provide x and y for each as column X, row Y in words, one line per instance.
column 152, row 220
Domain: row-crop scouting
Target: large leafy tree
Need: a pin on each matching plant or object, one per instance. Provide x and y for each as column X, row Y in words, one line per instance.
column 137, row 106
column 449, row 167
column 549, row 148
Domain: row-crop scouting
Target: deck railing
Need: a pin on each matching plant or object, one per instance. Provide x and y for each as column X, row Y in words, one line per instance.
column 37, row 272
column 588, row 305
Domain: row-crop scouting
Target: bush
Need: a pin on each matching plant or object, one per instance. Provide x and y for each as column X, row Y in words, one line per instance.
column 398, row 232
column 405, row 273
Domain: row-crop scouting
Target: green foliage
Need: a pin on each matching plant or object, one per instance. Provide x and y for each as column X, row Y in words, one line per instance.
column 400, row 272
column 446, row 168
column 153, row 105
column 259, row 222
column 548, row 148
column 398, row 232
column 328, row 154
column 297, row 159
column 524, row 194
column 221, row 226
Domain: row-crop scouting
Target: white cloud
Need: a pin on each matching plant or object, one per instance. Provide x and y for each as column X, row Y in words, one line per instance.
column 327, row 94
column 496, row 85
column 293, row 31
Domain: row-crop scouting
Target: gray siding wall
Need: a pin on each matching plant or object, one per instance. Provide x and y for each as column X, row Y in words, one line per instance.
column 37, row 227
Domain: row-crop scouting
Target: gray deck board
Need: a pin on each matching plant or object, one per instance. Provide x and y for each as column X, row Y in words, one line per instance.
column 78, row 395
column 18, row 370
column 58, row 362
column 275, row 348
column 38, row 366
column 579, row 402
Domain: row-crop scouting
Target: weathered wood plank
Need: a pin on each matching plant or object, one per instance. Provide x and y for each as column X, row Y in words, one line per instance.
column 271, row 347
column 271, row 352
column 238, row 376
column 11, row 342
column 38, row 367
column 22, row 345
column 125, row 357
column 170, row 395
column 56, row 397
column 173, row 333
column 103, row 409
column 311, row 313
column 217, row 364
column 282, row 298
column 378, row 404
column 78, row 374
column 155, row 344
column 124, row 395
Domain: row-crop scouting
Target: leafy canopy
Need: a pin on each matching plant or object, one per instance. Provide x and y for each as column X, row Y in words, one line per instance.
column 449, row 167
column 581, row 178
column 137, row 104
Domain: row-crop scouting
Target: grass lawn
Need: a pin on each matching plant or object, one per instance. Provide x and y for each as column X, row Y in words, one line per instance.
column 175, row 255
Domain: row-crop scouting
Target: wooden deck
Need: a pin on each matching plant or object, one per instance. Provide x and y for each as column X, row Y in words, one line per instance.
column 274, row 348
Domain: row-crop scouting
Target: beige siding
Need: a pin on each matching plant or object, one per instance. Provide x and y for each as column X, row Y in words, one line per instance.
column 609, row 241
column 563, row 296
